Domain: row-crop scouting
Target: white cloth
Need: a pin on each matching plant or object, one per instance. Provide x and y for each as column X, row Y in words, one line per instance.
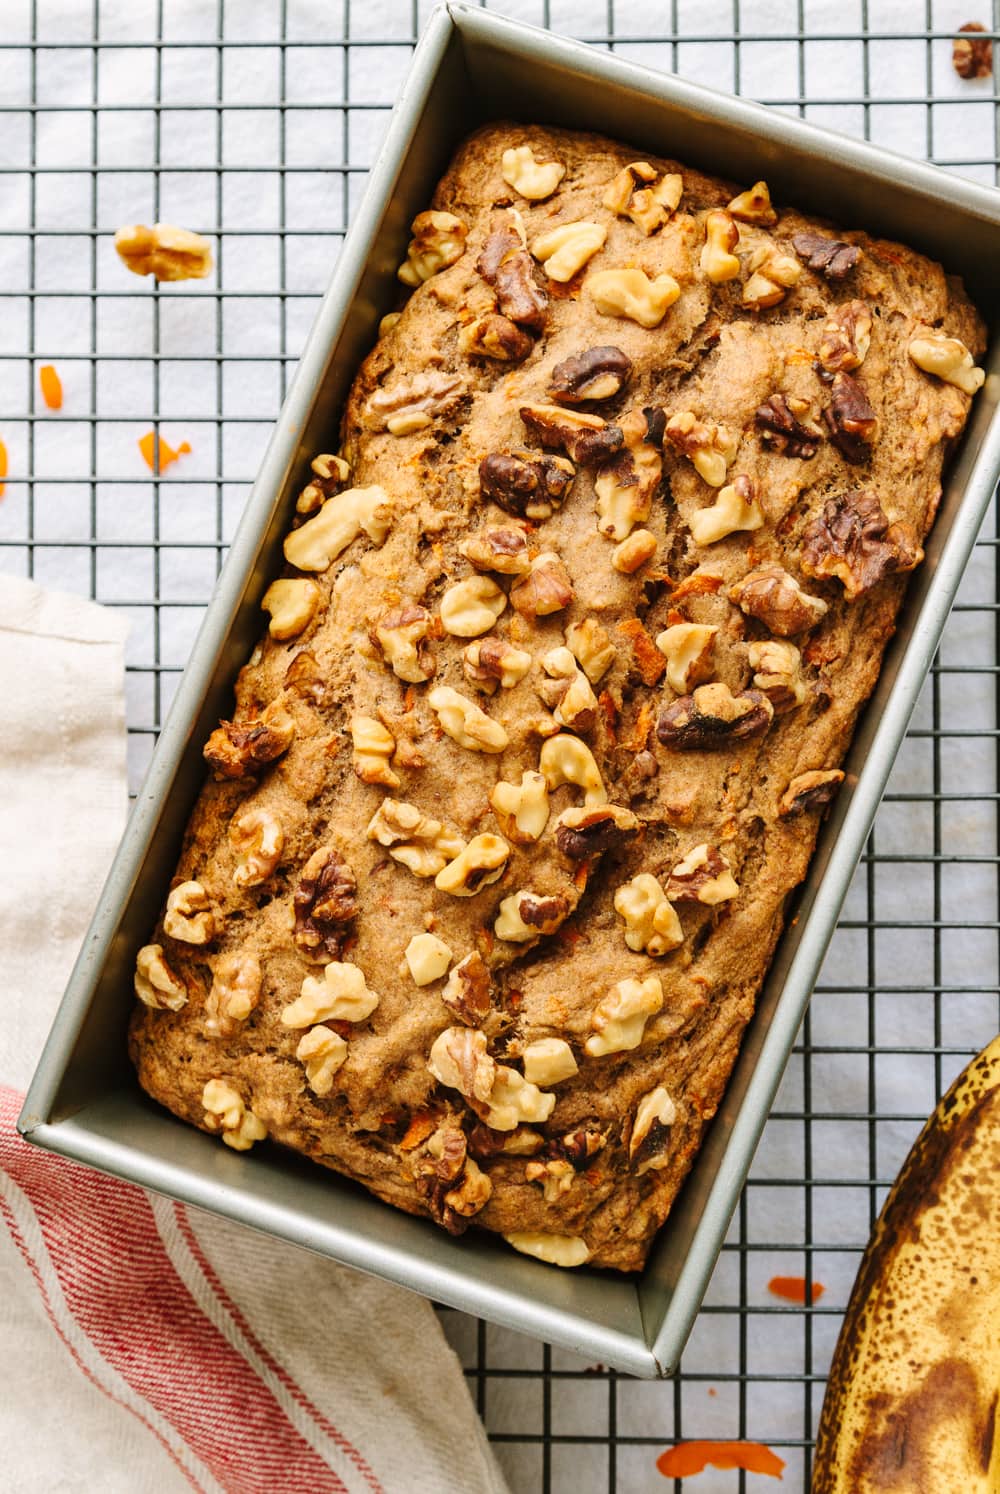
column 172, row 1349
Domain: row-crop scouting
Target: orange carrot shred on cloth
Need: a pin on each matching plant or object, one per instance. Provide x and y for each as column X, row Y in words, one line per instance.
column 3, row 468
column 794, row 1288
column 694, row 1457
column 150, row 444
column 51, row 386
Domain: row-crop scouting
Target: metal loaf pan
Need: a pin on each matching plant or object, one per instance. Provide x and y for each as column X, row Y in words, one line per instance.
column 471, row 67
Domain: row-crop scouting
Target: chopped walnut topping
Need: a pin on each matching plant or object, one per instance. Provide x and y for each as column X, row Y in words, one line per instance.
column 582, row 833
column 438, row 241
column 472, row 1194
column 467, row 994
column 330, row 475
column 778, row 673
column 499, row 1095
column 649, row 206
column 503, row 550
column 235, row 992
column 565, row 249
column 526, row 483
column 322, row 1052
column 625, row 485
column 239, row 750
column 846, row 337
column 454, row 1186
column 718, row 262
column 533, row 179
column 494, row 336
column 401, row 636
column 166, row 252
column 189, row 917
column 556, row 1177
column 711, row 448
column 481, row 863
column 651, row 923
column 831, row 258
column 780, row 426
column 554, row 1250
column 292, row 605
column 592, row 648
column 427, row 958
column 971, row 53
column 506, row 265
column 522, row 810
column 596, row 374
column 411, row 405
column 735, row 509
column 390, row 320
column 227, row 1111
column 258, row 841
column 948, row 359
column 471, row 607
column 655, row 1114
column 712, row 718
column 777, row 600
column 324, row 903
column 548, row 1061
column 631, row 294
column 317, row 543
column 810, row 791
column 544, row 590
column 412, row 838
column 305, row 678
column 489, row 662
column 633, row 553
column 772, row 275
column 565, row 759
column 155, row 983
column 465, row 722
column 687, row 648
column 585, row 438
column 754, row 206
column 374, row 746
column 850, row 419
column 526, row 915
column 567, row 693
column 704, row 876
column 341, row 996
column 853, row 539
column 619, row 1019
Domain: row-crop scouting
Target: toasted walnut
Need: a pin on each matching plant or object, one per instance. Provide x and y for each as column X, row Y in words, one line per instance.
column 631, row 294
column 851, row 421
column 533, row 179
column 401, row 636
column 785, row 425
column 972, row 54
column 619, row 1019
column 227, row 1111
column 710, row 447
column 853, row 539
column 467, row 994
column 324, row 904
column 489, row 662
column 592, row 647
column 292, row 605
column 565, row 249
column 597, row 374
column 494, row 336
column 831, row 258
column 585, row 438
column 320, row 540
column 166, row 252
column 648, row 206
column 341, row 996
column 687, row 648
column 234, row 993
column 155, row 983
column 189, row 917
column 427, row 958
column 323, row 1052
column 258, row 841
column 567, row 693
column 438, row 241
column 548, row 1061
column 778, row 673
column 846, row 337
column 704, row 876
column 374, row 746
column 736, row 508
column 718, row 262
column 481, row 863
column 625, row 485
column 633, row 553
column 504, row 551
column 521, row 1142
column 239, row 750
column 411, row 405
column 471, row 607
column 554, row 1250
column 654, row 1115
column 330, row 475
column 545, row 589
column 526, row 915
column 810, row 791
column 754, row 206
column 526, row 482
column 582, row 833
column 772, row 275
column 390, row 320
column 777, row 600
column 651, row 923
column 522, row 810
column 556, row 1176
column 513, row 1101
column 465, row 723
column 305, row 678
column 499, row 1095
column 506, row 265
column 423, row 845
column 565, row 759
column 471, row 1195
column 713, row 718
column 948, row 359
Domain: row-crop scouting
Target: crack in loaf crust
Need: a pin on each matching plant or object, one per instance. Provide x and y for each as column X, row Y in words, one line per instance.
column 474, row 344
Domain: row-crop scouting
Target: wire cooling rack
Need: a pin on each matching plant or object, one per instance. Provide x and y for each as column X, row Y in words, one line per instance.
column 255, row 122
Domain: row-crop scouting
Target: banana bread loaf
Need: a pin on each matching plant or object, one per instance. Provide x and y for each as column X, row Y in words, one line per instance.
column 568, row 648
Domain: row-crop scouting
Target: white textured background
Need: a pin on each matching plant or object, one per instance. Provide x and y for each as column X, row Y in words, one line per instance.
column 254, row 122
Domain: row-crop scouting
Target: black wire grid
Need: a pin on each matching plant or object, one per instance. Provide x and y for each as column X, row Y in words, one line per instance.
column 256, row 122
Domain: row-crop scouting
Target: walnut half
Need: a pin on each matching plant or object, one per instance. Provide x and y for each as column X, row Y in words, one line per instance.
column 166, row 252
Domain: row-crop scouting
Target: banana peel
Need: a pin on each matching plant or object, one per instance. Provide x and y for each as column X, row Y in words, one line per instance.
column 912, row 1401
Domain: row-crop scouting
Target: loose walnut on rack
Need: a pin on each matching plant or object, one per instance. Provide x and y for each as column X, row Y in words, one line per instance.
column 438, row 241
column 244, row 748
column 972, row 53
column 325, row 902
column 166, row 252
column 777, row 600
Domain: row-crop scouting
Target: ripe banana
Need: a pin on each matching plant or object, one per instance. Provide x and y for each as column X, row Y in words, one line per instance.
column 912, row 1402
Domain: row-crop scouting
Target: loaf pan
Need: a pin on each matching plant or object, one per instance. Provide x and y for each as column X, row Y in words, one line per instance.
column 84, row 1102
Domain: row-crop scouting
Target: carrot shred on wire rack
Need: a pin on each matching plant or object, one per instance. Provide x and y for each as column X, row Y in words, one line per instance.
column 154, row 447
column 793, row 1288
column 694, row 1457
column 3, row 468
column 51, row 386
